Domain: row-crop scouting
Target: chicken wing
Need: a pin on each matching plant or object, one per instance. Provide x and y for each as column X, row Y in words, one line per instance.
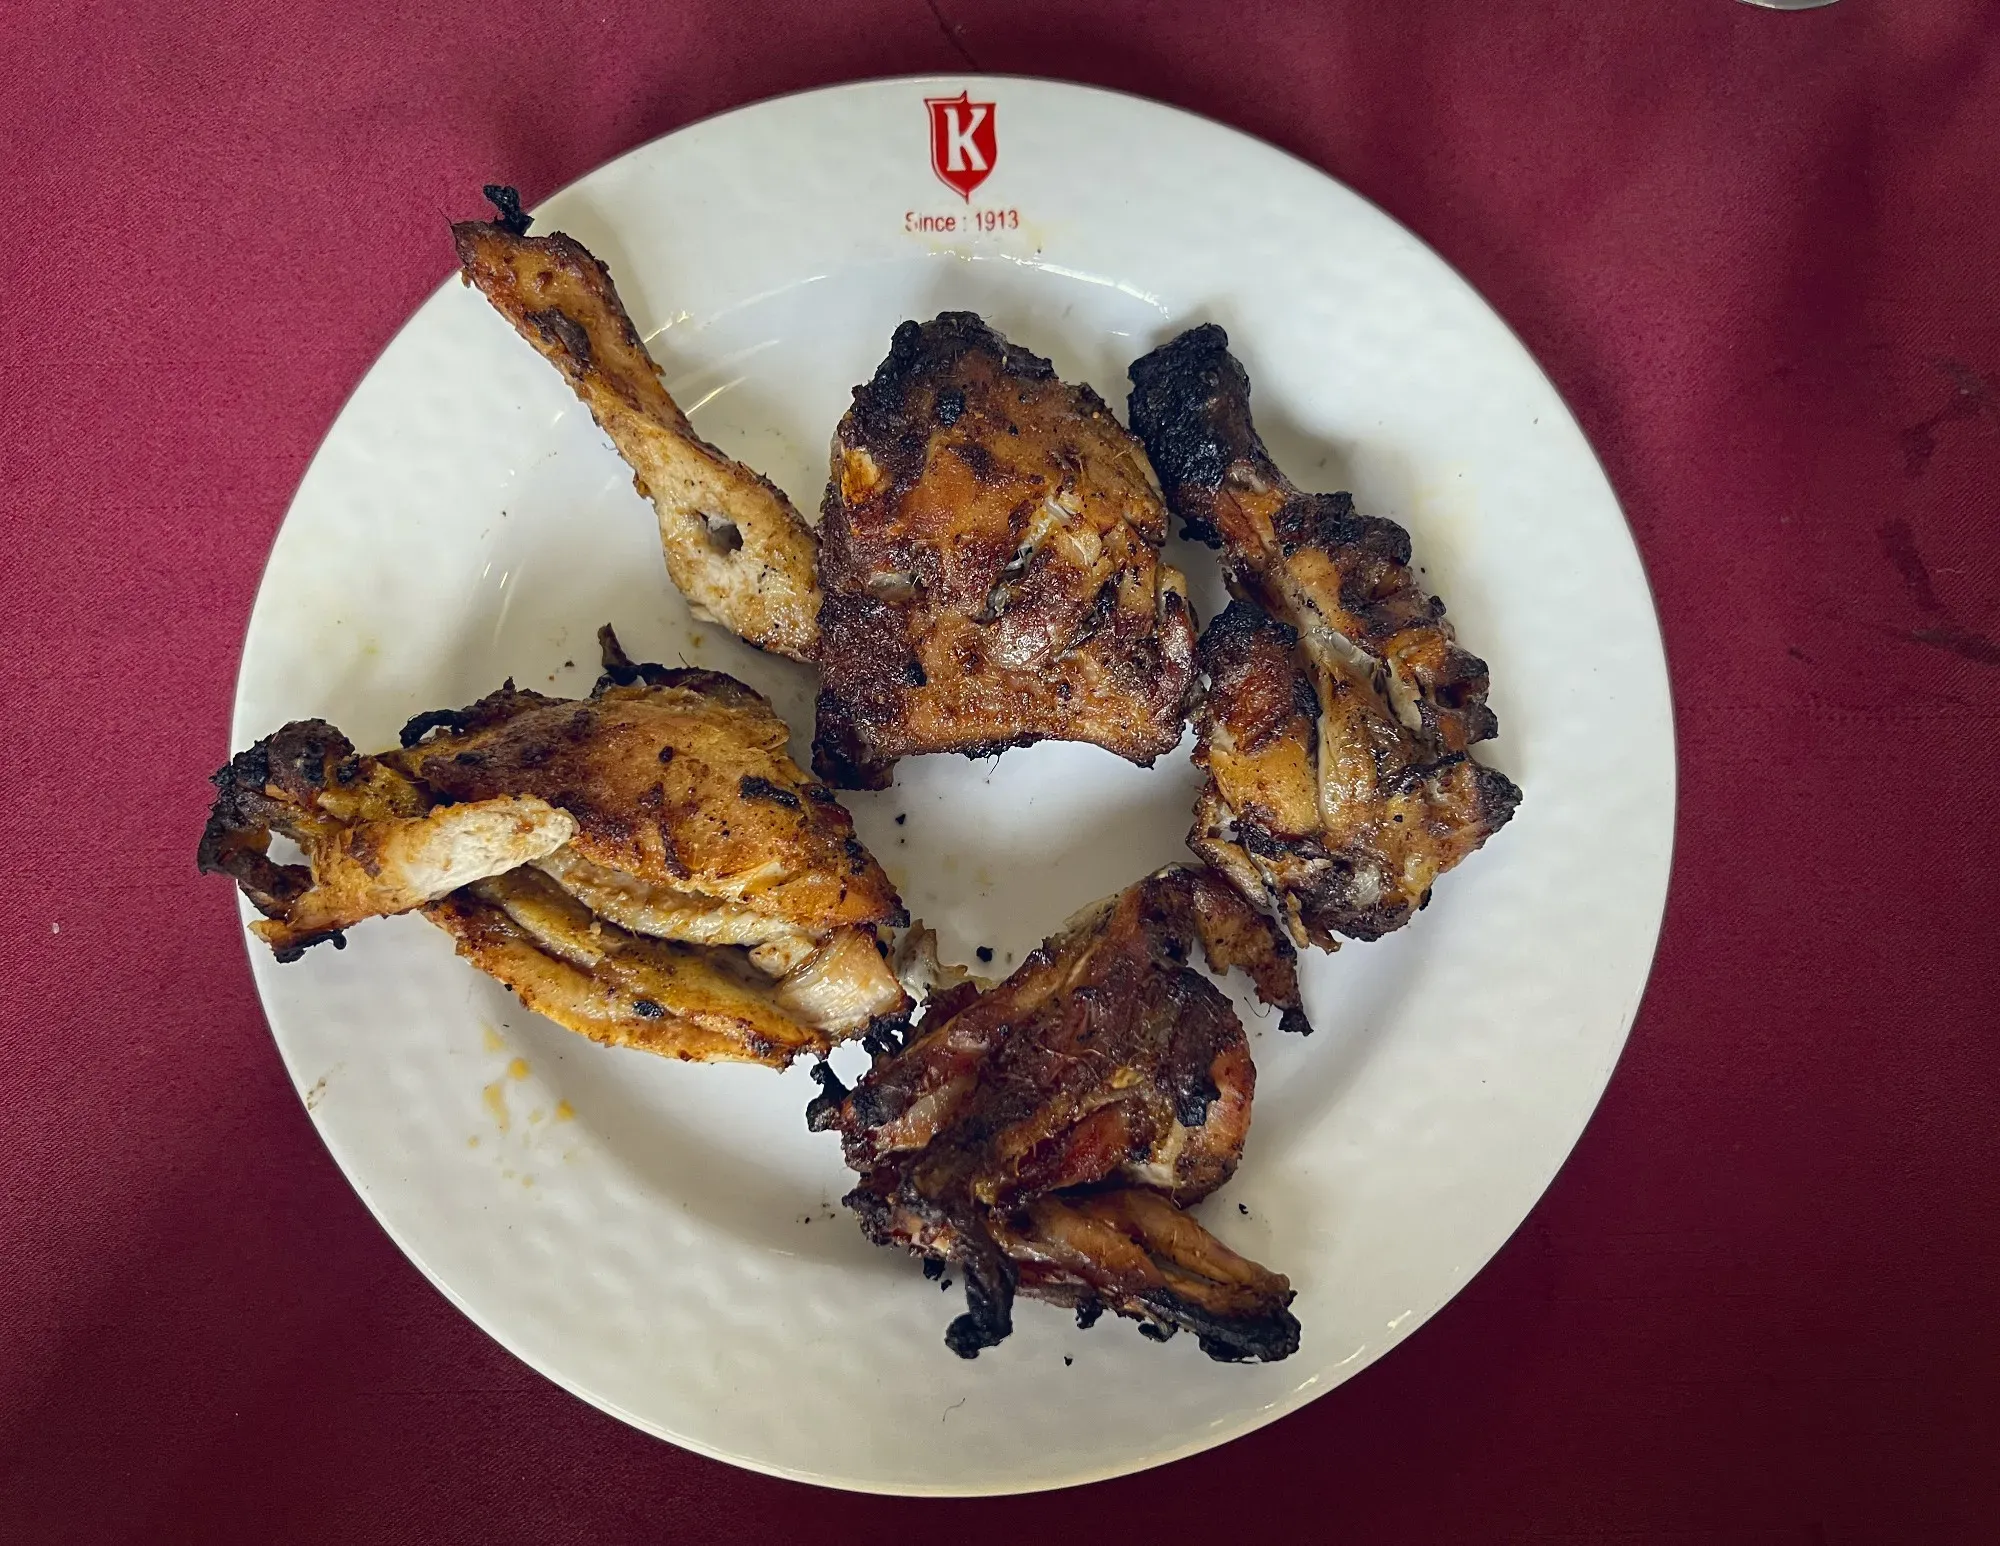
column 734, row 544
column 990, row 566
column 374, row 845
column 1339, row 711
column 1044, row 1135
column 646, row 866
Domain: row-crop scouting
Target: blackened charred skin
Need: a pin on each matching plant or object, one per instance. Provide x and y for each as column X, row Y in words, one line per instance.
column 933, row 1267
column 1304, row 699
column 303, row 765
column 1088, row 1313
column 990, row 1280
column 1331, row 521
column 506, row 200
column 983, row 751
column 1192, row 1100
column 1328, row 889
column 1293, row 1022
column 1243, row 625
column 922, row 349
column 1259, row 840
column 488, row 710
column 616, row 664
column 869, row 1105
column 1231, row 1339
column 823, row 1110
column 621, row 670
column 1264, row 690
column 1102, row 606
column 297, row 762
column 562, row 331
column 286, row 954
column 751, row 787
column 885, row 1035
column 1158, row 1331
column 840, row 755
column 1190, row 405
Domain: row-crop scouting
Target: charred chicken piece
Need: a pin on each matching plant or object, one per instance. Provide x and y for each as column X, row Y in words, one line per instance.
column 990, row 566
column 734, row 544
column 646, row 866
column 1044, row 1135
column 1339, row 711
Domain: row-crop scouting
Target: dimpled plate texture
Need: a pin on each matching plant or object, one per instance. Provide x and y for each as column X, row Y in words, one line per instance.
column 666, row 1240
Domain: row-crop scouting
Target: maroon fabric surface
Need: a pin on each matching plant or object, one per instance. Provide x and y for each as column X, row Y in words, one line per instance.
column 1757, row 252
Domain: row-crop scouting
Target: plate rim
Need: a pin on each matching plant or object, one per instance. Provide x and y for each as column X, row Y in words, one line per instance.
column 1293, row 1402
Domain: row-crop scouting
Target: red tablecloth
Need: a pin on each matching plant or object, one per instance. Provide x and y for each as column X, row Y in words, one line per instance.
column 1760, row 254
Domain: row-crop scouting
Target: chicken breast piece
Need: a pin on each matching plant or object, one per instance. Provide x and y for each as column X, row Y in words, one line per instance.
column 678, row 779
column 1044, row 1134
column 646, row 866
column 990, row 566
column 1340, row 711
column 734, row 544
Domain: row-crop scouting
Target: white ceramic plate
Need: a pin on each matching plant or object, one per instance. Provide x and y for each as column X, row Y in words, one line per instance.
column 666, row 1241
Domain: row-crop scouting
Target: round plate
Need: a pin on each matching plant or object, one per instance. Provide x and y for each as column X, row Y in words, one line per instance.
column 667, row 1240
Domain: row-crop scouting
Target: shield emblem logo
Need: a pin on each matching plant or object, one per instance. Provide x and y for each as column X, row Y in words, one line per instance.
column 963, row 148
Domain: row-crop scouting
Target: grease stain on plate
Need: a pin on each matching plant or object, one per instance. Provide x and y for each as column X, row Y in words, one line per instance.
column 495, row 1096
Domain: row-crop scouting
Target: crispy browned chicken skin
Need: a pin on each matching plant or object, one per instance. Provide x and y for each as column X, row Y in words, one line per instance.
column 1044, row 1135
column 734, row 545
column 990, row 566
column 1339, row 711
column 646, row 866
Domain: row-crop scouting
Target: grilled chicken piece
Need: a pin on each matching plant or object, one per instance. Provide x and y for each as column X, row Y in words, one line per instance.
column 678, row 779
column 990, row 566
column 734, row 544
column 647, row 866
column 1339, row 712
column 1123, row 1248
column 1044, row 1134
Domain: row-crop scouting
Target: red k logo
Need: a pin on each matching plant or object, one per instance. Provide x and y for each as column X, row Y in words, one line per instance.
column 963, row 149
